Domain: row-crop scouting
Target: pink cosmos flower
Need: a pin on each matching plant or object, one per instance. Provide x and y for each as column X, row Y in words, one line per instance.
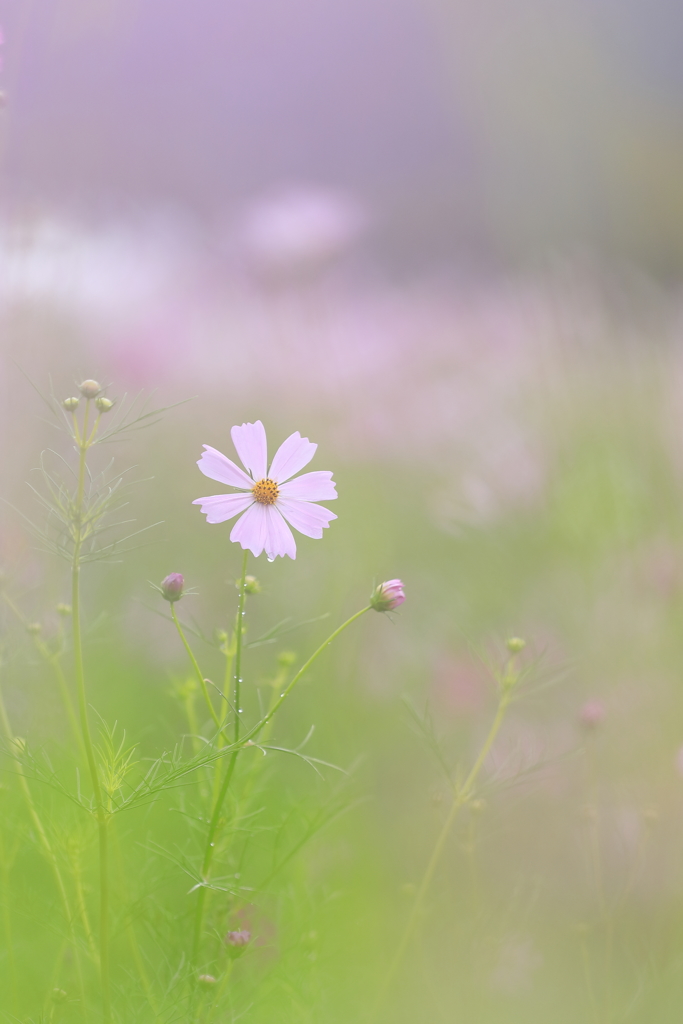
column 268, row 496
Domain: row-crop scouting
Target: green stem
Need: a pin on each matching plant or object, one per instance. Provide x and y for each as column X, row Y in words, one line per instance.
column 222, row 986
column 130, row 927
column 462, row 796
column 5, row 868
column 80, row 902
column 100, row 810
column 304, row 668
column 215, row 817
column 208, row 856
column 222, row 793
column 44, row 841
column 195, row 665
column 53, row 660
column 239, row 633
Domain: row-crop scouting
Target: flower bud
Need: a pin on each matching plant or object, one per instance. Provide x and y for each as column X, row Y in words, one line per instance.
column 89, row 388
column 387, row 596
column 64, row 610
column 286, row 659
column 237, row 942
column 252, row 585
column 34, row 628
column 104, row 404
column 70, row 404
column 58, row 995
column 206, row 979
column 515, row 644
column 172, row 587
column 592, row 714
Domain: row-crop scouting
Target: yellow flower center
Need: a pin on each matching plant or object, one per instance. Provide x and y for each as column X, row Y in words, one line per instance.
column 265, row 491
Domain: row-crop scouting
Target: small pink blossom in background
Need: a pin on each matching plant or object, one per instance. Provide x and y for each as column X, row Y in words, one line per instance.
column 237, row 942
column 268, row 497
column 592, row 714
column 388, row 596
column 459, row 685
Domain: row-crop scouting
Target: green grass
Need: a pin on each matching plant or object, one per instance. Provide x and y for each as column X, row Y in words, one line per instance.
column 558, row 895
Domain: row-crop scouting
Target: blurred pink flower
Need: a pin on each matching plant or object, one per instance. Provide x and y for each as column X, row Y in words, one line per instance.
column 459, row 685
column 592, row 714
column 301, row 229
column 267, row 497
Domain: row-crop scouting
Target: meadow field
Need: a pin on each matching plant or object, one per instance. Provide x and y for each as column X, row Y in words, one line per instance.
column 511, row 449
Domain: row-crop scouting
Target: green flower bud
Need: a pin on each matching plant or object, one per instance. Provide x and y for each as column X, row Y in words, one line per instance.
column 286, row 659
column 70, row 404
column 64, row 610
column 515, row 644
column 251, row 585
column 34, row 628
column 58, row 995
column 104, row 404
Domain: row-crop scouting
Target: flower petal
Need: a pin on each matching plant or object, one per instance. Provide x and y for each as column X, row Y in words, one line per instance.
column 220, row 507
column 251, row 530
column 292, row 455
column 280, row 537
column 250, row 442
column 218, row 467
column 318, row 486
column 305, row 517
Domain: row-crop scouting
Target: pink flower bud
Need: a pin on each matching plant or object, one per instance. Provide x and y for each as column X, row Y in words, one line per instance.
column 592, row 714
column 237, row 942
column 387, row 596
column 172, row 587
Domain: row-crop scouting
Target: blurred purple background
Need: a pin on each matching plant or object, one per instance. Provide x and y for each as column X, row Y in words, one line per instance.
column 474, row 131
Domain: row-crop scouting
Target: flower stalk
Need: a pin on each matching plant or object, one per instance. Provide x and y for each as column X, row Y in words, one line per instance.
column 223, row 791
column 101, row 813
column 462, row 796
column 246, row 739
column 195, row 666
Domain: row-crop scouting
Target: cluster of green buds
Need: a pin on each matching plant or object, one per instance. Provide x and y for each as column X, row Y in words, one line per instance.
column 511, row 674
column 91, row 391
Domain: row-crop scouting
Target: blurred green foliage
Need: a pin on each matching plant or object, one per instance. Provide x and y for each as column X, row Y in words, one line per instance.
column 559, row 895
